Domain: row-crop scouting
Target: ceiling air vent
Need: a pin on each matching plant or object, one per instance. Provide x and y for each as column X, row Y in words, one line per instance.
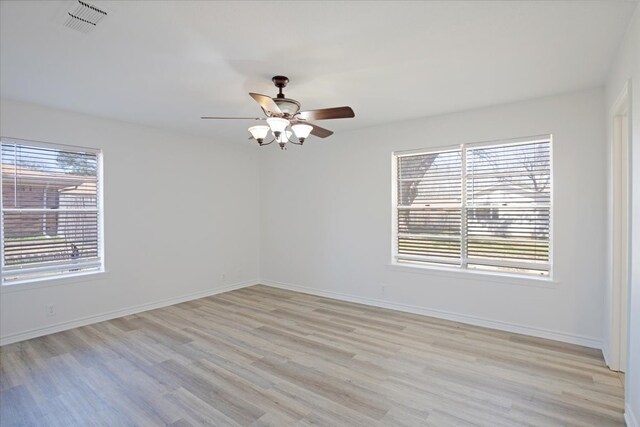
column 84, row 17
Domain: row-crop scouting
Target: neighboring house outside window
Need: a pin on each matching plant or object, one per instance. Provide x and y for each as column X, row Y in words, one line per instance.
column 51, row 211
column 475, row 206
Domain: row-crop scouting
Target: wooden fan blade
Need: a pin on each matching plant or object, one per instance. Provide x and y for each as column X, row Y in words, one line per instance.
column 320, row 132
column 267, row 104
column 327, row 113
column 233, row 118
column 317, row 130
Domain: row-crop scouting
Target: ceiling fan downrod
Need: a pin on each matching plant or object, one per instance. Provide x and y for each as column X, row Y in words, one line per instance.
column 280, row 82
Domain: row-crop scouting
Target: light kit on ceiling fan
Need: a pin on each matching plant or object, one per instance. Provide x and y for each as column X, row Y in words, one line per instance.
column 284, row 118
column 259, row 133
column 278, row 128
column 277, row 125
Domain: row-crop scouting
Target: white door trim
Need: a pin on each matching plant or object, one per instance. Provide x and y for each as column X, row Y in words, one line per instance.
column 620, row 227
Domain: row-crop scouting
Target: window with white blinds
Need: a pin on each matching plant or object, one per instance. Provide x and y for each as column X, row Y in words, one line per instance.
column 476, row 206
column 51, row 211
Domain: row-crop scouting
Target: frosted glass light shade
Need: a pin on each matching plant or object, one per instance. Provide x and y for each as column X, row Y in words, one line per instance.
column 259, row 132
column 284, row 136
column 277, row 124
column 301, row 130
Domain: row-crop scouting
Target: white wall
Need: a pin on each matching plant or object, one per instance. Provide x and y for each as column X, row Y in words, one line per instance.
column 326, row 227
column 625, row 68
column 180, row 211
column 325, row 220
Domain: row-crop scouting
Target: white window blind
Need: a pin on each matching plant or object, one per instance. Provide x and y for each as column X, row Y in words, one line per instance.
column 429, row 207
column 485, row 206
column 50, row 211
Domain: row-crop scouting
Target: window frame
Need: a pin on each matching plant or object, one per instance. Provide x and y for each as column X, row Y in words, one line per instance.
column 462, row 267
column 67, row 277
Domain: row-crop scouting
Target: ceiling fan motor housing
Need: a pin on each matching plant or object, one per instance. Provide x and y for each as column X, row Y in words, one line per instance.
column 287, row 106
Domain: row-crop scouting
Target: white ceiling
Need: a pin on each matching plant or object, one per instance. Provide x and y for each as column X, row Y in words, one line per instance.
column 166, row 63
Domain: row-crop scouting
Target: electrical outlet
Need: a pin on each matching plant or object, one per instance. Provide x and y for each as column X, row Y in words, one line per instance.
column 383, row 288
column 51, row 310
column 223, row 277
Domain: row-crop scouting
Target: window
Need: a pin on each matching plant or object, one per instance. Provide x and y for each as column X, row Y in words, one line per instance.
column 51, row 211
column 476, row 206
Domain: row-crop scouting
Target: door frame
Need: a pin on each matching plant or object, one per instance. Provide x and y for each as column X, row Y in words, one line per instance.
column 620, row 276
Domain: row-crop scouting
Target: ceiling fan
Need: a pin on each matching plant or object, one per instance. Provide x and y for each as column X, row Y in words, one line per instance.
column 284, row 118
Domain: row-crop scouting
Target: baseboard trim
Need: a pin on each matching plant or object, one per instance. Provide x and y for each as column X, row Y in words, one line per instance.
column 440, row 314
column 607, row 357
column 456, row 317
column 630, row 417
column 63, row 326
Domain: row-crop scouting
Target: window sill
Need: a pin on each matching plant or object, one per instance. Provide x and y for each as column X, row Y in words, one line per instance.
column 27, row 285
column 504, row 278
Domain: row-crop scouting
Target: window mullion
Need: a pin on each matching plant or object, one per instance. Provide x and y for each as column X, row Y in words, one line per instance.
column 463, row 209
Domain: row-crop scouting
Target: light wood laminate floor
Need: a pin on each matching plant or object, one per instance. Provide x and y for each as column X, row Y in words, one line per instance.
column 264, row 356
